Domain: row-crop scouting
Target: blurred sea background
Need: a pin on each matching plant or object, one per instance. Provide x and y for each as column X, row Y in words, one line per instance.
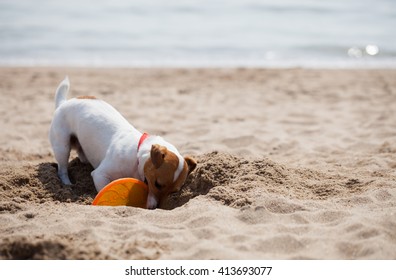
column 205, row 33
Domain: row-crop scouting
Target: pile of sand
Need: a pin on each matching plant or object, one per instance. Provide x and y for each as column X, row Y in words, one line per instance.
column 316, row 180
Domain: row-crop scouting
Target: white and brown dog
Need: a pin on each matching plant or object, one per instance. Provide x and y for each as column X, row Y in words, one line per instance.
column 113, row 147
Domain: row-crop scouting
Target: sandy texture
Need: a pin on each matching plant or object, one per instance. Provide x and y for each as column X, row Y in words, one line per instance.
column 293, row 164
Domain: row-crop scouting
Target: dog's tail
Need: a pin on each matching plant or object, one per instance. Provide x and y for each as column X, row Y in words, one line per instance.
column 61, row 92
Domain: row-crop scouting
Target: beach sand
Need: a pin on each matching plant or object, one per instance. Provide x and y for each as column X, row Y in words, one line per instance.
column 292, row 164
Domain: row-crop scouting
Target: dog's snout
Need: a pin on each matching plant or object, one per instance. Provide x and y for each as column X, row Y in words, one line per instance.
column 152, row 201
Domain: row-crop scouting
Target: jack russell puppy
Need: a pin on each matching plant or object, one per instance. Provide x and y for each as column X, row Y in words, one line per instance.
column 115, row 149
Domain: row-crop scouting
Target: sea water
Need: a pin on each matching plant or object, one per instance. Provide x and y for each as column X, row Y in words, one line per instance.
column 202, row 33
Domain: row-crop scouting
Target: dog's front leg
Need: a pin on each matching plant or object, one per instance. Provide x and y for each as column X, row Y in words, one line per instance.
column 100, row 178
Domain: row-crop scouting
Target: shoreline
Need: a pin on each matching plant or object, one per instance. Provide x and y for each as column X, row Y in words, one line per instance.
column 275, row 66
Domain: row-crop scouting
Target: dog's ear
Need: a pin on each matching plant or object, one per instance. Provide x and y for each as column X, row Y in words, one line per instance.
column 191, row 163
column 158, row 154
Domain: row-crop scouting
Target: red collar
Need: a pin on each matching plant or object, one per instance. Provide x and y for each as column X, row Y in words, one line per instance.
column 141, row 140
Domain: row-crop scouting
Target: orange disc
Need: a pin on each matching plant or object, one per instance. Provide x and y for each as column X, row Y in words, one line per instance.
column 123, row 192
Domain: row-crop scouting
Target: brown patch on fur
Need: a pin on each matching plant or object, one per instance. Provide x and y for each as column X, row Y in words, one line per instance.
column 157, row 155
column 191, row 163
column 86, row 97
column 182, row 177
column 160, row 170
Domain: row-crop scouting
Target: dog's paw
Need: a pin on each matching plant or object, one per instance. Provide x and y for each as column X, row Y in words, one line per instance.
column 65, row 179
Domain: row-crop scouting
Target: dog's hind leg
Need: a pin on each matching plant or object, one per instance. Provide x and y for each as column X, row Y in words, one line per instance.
column 60, row 142
column 62, row 153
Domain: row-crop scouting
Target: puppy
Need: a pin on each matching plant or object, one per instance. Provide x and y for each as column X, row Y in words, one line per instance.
column 115, row 149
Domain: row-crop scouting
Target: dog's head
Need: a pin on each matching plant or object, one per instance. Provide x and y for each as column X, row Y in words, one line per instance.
column 165, row 173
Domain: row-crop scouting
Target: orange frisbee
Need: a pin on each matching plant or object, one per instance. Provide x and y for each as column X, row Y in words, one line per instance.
column 123, row 192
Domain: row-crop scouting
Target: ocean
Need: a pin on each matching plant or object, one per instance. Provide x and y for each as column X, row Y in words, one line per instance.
column 205, row 33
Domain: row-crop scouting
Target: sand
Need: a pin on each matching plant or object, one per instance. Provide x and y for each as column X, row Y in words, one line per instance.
column 292, row 164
